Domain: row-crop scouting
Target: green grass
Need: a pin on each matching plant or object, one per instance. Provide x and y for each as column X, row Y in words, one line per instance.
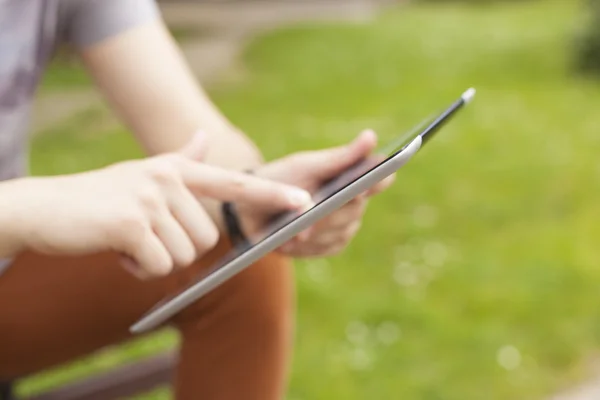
column 476, row 276
column 64, row 73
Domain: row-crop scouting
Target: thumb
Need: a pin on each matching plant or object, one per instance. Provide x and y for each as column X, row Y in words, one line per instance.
column 196, row 148
column 330, row 162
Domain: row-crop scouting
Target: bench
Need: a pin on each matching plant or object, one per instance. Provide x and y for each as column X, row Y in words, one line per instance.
column 125, row 381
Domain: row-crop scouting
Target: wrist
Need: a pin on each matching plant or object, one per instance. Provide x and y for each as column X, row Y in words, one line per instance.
column 215, row 210
column 237, row 221
column 233, row 224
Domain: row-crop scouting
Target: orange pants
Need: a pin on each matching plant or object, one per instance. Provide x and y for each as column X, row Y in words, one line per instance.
column 236, row 341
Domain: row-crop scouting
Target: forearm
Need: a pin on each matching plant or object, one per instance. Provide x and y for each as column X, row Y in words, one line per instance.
column 145, row 78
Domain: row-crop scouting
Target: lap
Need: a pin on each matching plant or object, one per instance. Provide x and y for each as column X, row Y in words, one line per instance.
column 56, row 309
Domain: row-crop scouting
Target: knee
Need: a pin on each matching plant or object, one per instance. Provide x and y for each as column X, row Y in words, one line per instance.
column 259, row 301
column 241, row 332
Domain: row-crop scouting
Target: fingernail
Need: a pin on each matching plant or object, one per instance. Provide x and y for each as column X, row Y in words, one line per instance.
column 299, row 197
column 368, row 132
column 134, row 269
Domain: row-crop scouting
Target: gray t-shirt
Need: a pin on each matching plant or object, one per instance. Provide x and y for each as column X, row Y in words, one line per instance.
column 30, row 30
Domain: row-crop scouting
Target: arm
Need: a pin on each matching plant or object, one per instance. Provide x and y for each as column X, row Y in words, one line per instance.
column 145, row 210
column 146, row 80
column 144, row 76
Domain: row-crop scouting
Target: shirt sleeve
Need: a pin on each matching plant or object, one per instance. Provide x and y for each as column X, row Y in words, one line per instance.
column 88, row 22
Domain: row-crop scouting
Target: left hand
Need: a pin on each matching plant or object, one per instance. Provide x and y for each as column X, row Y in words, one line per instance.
column 309, row 170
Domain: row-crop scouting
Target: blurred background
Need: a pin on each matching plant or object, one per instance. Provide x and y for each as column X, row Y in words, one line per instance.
column 477, row 276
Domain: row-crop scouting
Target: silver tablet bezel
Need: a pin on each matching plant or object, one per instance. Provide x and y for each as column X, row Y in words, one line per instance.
column 175, row 304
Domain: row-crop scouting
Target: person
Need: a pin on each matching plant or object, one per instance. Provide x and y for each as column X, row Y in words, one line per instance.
column 65, row 239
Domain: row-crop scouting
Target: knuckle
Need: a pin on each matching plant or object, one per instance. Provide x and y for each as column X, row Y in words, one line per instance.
column 132, row 228
column 163, row 172
column 238, row 181
column 150, row 199
column 174, row 158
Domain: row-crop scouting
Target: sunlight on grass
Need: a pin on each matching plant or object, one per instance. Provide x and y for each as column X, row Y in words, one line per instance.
column 476, row 275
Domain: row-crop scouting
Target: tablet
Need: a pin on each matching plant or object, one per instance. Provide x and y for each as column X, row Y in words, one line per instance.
column 330, row 197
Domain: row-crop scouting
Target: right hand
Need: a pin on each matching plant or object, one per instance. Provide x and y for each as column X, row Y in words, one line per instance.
column 146, row 210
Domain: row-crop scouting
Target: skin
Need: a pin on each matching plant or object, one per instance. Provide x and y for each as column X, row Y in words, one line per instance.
column 148, row 84
column 146, row 210
column 308, row 171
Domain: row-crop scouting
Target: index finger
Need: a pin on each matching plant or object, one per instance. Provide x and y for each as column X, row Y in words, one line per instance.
column 238, row 187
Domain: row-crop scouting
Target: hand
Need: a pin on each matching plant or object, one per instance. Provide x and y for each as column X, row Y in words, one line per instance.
column 147, row 210
column 309, row 170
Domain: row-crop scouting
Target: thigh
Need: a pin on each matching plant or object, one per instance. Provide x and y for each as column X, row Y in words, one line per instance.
column 56, row 309
column 237, row 343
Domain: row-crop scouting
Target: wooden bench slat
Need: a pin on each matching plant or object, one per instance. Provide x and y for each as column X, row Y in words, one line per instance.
column 125, row 381
column 6, row 392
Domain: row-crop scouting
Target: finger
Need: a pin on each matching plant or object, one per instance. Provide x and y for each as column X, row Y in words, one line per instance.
column 334, row 237
column 325, row 164
column 174, row 238
column 288, row 247
column 301, row 239
column 293, row 243
column 133, row 268
column 322, row 242
column 345, row 216
column 305, row 235
column 234, row 186
column 293, row 247
column 330, row 251
column 149, row 253
column 196, row 148
column 325, row 239
column 299, row 251
column 194, row 220
column 381, row 186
